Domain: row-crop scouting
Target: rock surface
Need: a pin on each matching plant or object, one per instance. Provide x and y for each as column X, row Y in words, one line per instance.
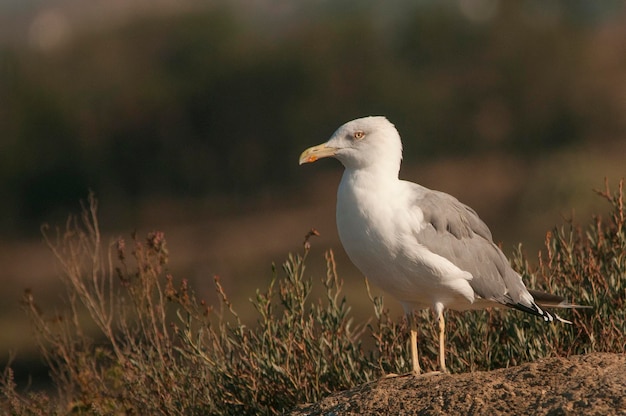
column 593, row 384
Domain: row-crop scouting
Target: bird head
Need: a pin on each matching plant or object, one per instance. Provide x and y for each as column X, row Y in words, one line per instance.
column 361, row 144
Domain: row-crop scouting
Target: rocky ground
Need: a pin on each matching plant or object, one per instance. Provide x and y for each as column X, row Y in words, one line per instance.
column 593, row 384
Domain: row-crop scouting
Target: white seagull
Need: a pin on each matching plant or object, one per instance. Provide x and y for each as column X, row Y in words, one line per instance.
column 423, row 247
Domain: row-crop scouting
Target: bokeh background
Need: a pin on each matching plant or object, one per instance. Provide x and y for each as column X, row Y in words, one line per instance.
column 188, row 117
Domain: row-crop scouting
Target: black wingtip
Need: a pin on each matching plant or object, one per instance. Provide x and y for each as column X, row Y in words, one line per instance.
column 537, row 311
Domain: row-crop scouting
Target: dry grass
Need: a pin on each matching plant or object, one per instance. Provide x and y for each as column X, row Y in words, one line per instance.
column 163, row 350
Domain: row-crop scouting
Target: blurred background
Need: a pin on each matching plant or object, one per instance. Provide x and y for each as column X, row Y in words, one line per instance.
column 188, row 117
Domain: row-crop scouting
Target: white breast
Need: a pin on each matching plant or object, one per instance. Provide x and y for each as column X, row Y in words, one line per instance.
column 378, row 236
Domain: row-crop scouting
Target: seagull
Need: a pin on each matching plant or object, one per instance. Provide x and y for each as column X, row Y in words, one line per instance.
column 423, row 247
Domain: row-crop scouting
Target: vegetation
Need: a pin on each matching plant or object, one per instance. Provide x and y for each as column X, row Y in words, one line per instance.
column 162, row 350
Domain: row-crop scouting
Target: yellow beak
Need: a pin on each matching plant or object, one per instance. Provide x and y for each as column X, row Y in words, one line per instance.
column 317, row 152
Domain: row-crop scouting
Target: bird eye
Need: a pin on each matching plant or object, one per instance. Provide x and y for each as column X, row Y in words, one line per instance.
column 358, row 135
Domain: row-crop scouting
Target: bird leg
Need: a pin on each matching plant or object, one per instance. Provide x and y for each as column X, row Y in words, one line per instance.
column 442, row 337
column 413, row 340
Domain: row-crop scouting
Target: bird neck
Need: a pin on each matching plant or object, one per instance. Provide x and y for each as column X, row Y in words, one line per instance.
column 372, row 180
column 376, row 173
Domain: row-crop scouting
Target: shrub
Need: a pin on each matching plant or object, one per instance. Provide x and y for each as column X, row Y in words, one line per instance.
column 163, row 350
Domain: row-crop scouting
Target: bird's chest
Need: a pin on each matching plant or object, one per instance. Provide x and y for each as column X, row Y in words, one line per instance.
column 372, row 230
column 378, row 226
column 365, row 229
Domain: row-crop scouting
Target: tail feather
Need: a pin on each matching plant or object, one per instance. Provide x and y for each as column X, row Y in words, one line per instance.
column 547, row 300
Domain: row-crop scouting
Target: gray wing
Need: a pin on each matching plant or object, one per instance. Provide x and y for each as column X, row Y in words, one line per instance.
column 455, row 231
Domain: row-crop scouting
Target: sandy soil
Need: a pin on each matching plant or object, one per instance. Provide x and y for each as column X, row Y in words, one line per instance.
column 593, row 384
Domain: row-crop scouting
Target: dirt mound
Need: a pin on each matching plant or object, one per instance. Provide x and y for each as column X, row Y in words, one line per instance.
column 593, row 384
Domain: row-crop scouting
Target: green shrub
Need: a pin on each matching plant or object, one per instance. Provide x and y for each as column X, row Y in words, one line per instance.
column 163, row 350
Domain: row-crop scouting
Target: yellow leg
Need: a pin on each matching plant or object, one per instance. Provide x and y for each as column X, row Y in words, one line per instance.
column 442, row 337
column 414, row 355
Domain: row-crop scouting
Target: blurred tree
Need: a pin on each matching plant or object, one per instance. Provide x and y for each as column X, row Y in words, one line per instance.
column 221, row 100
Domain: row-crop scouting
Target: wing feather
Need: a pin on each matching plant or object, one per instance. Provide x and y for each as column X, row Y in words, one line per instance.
column 455, row 231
